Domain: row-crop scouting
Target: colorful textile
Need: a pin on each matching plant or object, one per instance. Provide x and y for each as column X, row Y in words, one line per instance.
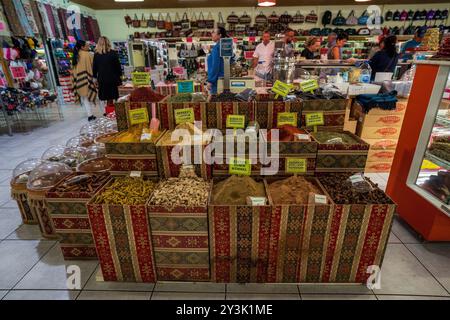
column 12, row 17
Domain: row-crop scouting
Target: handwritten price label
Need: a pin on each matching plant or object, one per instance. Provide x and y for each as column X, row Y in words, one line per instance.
column 184, row 115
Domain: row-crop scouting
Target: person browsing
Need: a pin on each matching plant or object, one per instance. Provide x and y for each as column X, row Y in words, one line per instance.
column 215, row 61
column 335, row 52
column 311, row 47
column 386, row 59
column 412, row 44
column 263, row 57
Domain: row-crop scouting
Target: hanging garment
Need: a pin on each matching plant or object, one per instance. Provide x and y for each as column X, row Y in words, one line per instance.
column 6, row 31
column 84, row 27
column 58, row 27
column 13, row 18
column 23, row 18
column 51, row 20
column 97, row 33
column 70, row 31
column 63, row 22
column 89, row 30
column 29, row 14
column 82, row 79
column 38, row 18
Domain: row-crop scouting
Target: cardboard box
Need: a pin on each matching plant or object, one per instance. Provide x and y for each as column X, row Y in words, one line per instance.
column 267, row 109
column 380, row 155
column 382, row 144
column 399, row 110
column 387, row 132
column 133, row 156
column 381, row 120
column 342, row 157
column 239, row 242
column 167, row 112
column 181, row 243
column 69, row 216
column 378, row 166
column 122, row 238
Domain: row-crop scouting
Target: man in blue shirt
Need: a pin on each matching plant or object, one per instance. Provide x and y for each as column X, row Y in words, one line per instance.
column 413, row 43
column 215, row 61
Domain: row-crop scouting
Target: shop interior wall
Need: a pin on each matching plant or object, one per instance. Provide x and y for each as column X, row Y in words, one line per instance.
column 112, row 22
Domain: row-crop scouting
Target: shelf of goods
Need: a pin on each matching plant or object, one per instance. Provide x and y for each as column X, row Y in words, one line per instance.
column 63, row 54
column 420, row 180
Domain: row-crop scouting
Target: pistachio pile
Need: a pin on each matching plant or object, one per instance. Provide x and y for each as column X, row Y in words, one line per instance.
column 126, row 191
column 188, row 190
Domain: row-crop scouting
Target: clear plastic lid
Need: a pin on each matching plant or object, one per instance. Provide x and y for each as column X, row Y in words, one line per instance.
column 47, row 175
column 23, row 169
column 70, row 156
column 54, row 153
column 80, row 141
column 95, row 165
column 95, row 151
column 111, row 127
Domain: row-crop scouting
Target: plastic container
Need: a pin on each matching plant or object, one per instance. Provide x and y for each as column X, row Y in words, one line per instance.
column 81, row 141
column 47, row 175
column 22, row 171
column 366, row 73
column 95, row 151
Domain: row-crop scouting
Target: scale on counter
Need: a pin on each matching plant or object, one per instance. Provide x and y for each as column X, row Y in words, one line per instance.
column 237, row 85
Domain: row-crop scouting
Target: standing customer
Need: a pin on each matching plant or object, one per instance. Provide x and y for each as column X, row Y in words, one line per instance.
column 263, row 57
column 83, row 81
column 311, row 47
column 335, row 52
column 215, row 61
column 386, row 59
column 289, row 43
column 107, row 71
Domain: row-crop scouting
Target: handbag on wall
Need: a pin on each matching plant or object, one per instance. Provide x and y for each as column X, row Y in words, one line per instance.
column 396, row 16
column 273, row 18
column 144, row 23
column 285, row 18
column 209, row 22
column 177, row 23
column 194, row 22
column 233, row 18
column 362, row 21
column 245, row 19
column 151, row 23
column 160, row 22
column 339, row 20
column 221, row 23
column 128, row 20
column 261, row 19
column 136, row 21
column 389, row 15
column 298, row 18
column 312, row 17
column 201, row 21
column 168, row 25
column 352, row 20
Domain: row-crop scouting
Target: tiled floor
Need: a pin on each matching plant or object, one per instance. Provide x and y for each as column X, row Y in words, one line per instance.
column 33, row 268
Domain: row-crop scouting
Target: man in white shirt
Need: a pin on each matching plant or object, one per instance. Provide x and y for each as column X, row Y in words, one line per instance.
column 263, row 57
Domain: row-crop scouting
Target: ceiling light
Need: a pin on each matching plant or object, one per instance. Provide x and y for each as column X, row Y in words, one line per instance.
column 129, row 0
column 267, row 3
column 362, row 0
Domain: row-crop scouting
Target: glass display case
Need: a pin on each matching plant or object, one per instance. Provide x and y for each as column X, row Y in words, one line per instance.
column 429, row 175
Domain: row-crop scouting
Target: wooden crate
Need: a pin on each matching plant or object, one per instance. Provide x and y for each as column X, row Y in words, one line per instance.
column 267, row 109
column 166, row 111
column 20, row 194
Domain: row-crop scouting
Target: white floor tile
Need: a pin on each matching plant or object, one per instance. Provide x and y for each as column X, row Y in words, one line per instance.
column 338, row 297
column 190, row 287
column 261, row 288
column 114, row 295
column 41, row 295
column 262, row 296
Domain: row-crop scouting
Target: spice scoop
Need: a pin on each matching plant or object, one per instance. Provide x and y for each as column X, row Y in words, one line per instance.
column 154, row 123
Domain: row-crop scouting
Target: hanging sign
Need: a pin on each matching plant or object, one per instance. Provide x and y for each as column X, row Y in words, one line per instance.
column 240, row 166
column 18, row 72
column 295, row 165
column 185, row 86
column 184, row 115
column 138, row 116
column 235, row 121
column 289, row 118
column 314, row 119
column 140, row 79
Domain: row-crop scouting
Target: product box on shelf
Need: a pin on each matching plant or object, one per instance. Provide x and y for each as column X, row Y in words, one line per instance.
column 69, row 216
column 169, row 168
column 380, row 155
column 180, row 242
column 268, row 108
column 399, row 110
column 299, row 235
column 385, row 132
column 239, row 242
column 167, row 112
column 378, row 166
column 20, row 194
column 293, row 150
column 217, row 112
column 340, row 156
column 133, row 156
column 123, row 241
column 382, row 144
column 122, row 110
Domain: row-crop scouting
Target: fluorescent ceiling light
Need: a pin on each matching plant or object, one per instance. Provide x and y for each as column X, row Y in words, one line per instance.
column 267, row 3
column 129, row 0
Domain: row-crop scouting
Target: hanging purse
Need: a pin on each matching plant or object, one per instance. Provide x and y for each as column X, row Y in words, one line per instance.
column 362, row 21
column 339, row 20
column 389, row 15
column 151, row 23
column 396, row 16
column 194, row 22
column 168, row 25
column 160, row 22
column 404, row 15
column 315, row 32
column 298, row 18
column 143, row 23
column 233, row 18
column 325, row 32
column 312, row 17
column 430, row 15
column 273, row 18
column 177, row 23
column 136, row 21
column 352, row 20
column 351, row 32
column 128, row 20
column 201, row 21
column 364, row 32
column 209, row 22
column 285, row 18
column 423, row 15
column 245, row 19
column 410, row 15
column 261, row 19
column 185, row 24
column 221, row 23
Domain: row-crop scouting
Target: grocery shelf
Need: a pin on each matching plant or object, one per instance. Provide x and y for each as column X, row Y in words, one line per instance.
column 436, row 160
column 443, row 121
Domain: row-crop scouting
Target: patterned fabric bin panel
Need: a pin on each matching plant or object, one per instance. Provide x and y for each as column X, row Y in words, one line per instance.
column 217, row 113
column 239, row 242
column 21, row 197
column 147, row 165
column 267, row 110
column 167, row 112
column 123, row 242
column 38, row 206
column 333, row 120
column 181, row 243
column 122, row 109
column 325, row 105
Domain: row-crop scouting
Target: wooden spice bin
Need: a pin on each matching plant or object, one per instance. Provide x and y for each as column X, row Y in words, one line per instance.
column 217, row 112
column 39, row 209
column 122, row 110
column 267, row 109
column 166, row 110
column 20, row 194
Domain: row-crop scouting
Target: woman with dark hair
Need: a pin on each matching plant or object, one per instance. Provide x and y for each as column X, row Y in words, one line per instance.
column 83, row 81
column 107, row 71
column 215, row 61
column 386, row 59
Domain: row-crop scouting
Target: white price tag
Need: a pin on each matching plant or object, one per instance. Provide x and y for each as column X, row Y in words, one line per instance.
column 356, row 178
column 135, row 174
column 257, row 201
column 301, row 136
column 320, row 199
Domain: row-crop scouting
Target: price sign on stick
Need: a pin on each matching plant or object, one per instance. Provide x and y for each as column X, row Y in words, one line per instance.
column 314, row 119
column 289, row 118
column 240, row 166
column 235, row 121
column 296, row 165
column 281, row 88
column 309, row 85
column 140, row 79
column 138, row 116
column 184, row 115
column 185, row 86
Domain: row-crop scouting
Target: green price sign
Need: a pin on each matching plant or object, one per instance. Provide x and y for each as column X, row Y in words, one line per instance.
column 235, row 121
column 184, row 115
column 314, row 119
column 185, row 86
column 296, row 165
column 289, row 118
column 140, row 79
column 240, row 166
column 138, row 116
column 309, row 85
column 281, row 88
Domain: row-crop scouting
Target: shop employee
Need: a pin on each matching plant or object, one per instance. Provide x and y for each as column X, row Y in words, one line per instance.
column 311, row 47
column 263, row 57
column 413, row 43
column 215, row 61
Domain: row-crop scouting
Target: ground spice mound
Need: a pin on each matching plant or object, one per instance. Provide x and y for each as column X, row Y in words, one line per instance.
column 293, row 190
column 235, row 190
column 145, row 94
